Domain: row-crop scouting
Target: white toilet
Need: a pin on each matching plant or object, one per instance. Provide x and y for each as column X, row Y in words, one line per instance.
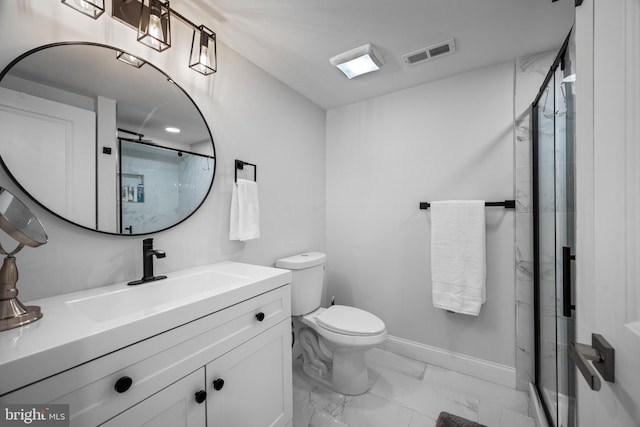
column 335, row 338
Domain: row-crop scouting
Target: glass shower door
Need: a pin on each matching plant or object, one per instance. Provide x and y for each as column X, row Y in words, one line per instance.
column 554, row 239
column 545, row 273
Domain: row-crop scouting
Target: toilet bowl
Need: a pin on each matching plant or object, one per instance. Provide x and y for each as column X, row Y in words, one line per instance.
column 343, row 334
column 334, row 339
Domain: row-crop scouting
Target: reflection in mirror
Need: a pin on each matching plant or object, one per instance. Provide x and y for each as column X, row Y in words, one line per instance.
column 179, row 181
column 101, row 143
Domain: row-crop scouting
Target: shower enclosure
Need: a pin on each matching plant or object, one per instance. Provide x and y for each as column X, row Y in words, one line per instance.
column 553, row 124
column 160, row 186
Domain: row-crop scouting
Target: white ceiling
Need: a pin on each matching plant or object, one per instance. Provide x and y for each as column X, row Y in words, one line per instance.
column 293, row 39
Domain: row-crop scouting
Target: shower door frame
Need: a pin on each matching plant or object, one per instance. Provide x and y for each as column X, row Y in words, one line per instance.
column 534, row 111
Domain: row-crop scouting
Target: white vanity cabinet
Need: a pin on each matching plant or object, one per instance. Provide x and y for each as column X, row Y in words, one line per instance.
column 250, row 385
column 174, row 406
column 174, row 378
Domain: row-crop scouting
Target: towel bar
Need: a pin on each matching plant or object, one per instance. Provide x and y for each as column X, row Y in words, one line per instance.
column 507, row 204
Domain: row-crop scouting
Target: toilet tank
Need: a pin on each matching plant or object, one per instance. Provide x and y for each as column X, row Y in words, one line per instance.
column 308, row 276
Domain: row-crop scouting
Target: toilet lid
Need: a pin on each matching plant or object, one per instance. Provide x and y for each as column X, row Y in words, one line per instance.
column 350, row 321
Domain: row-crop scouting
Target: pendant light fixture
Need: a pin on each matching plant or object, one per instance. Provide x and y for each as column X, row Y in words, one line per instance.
column 92, row 8
column 152, row 20
column 154, row 26
column 203, row 51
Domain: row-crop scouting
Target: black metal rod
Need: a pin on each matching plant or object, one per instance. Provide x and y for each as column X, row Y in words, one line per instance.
column 139, row 135
column 553, row 68
column 507, row 204
column 151, row 144
column 183, row 18
column 240, row 164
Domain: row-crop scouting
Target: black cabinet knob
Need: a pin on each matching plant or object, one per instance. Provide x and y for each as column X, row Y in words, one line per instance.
column 260, row 316
column 123, row 384
column 201, row 396
column 218, row 384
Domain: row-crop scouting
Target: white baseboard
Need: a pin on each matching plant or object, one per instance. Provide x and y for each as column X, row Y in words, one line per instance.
column 468, row 365
column 537, row 413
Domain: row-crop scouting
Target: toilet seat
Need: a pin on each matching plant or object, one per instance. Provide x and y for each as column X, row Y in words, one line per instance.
column 352, row 321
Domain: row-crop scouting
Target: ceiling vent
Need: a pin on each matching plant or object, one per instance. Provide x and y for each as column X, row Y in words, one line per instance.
column 431, row 52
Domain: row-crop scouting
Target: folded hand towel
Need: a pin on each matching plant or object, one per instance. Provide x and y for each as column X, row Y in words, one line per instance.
column 458, row 266
column 245, row 211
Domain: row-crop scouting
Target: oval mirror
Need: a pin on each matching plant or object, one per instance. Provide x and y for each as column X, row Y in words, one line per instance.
column 103, row 140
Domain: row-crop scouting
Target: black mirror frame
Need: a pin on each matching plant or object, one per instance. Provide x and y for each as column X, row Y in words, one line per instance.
column 6, row 70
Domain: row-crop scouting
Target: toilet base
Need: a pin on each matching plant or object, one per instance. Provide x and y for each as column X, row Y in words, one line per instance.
column 350, row 374
column 344, row 372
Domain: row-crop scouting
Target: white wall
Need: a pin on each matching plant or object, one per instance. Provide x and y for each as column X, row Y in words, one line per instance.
column 252, row 117
column 451, row 139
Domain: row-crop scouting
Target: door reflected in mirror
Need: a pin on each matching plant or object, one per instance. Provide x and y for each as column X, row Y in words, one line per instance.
column 103, row 144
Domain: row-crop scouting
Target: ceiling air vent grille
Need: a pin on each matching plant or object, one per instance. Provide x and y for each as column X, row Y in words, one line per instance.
column 431, row 52
column 416, row 57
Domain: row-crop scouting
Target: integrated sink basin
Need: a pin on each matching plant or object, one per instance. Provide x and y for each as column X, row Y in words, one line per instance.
column 181, row 288
column 88, row 324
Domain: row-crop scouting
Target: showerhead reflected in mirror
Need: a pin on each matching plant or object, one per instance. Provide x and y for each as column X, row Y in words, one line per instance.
column 20, row 223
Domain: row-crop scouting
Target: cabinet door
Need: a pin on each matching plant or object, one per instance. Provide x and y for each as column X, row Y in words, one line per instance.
column 174, row 406
column 256, row 387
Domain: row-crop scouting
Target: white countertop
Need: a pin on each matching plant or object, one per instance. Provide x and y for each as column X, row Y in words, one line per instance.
column 81, row 326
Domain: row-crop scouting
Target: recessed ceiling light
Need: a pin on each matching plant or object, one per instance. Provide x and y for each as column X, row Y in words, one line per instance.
column 172, row 130
column 358, row 61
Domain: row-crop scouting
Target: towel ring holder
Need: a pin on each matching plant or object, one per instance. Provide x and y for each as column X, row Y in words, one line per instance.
column 240, row 164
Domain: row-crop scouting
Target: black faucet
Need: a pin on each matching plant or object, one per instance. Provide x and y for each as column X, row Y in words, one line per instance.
column 147, row 263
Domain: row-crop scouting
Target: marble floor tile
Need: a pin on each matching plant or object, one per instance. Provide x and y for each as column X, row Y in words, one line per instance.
column 322, row 419
column 485, row 392
column 314, row 402
column 310, row 398
column 419, row 420
column 510, row 418
column 405, row 394
column 369, row 410
column 423, row 396
column 490, row 413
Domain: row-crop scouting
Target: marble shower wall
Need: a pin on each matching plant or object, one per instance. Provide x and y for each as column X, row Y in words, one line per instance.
column 159, row 173
column 193, row 183
column 529, row 75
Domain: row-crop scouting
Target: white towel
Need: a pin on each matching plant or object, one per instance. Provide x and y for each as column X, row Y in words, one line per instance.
column 458, row 259
column 245, row 211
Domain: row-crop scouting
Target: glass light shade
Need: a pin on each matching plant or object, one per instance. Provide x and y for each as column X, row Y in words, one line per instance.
column 358, row 61
column 358, row 66
column 127, row 58
column 154, row 27
column 92, row 8
column 203, row 51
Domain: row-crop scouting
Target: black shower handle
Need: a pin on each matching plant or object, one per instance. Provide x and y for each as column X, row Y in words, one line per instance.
column 566, row 281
